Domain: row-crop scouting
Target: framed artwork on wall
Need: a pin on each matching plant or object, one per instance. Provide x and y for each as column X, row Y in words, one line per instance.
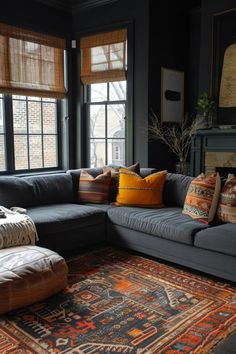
column 172, row 95
column 223, row 87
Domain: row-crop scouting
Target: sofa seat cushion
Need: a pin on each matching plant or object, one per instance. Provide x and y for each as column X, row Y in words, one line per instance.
column 221, row 238
column 103, row 207
column 62, row 217
column 168, row 223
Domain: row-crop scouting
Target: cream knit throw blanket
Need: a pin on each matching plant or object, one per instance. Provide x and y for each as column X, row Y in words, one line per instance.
column 16, row 229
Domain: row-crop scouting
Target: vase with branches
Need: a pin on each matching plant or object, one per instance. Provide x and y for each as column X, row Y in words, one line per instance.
column 176, row 136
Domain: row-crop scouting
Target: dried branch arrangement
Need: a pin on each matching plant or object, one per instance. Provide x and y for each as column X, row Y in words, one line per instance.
column 176, row 136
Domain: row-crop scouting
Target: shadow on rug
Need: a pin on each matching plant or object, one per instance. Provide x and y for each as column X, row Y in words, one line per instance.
column 118, row 302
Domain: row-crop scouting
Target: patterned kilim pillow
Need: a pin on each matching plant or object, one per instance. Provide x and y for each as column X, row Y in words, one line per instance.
column 142, row 192
column 94, row 190
column 227, row 205
column 114, row 186
column 202, row 198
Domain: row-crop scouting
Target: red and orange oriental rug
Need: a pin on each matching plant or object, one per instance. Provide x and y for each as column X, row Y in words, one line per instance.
column 118, row 302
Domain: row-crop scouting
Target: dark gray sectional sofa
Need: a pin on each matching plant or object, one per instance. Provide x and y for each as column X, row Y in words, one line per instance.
column 64, row 225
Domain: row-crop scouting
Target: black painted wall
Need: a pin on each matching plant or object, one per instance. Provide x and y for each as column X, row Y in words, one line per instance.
column 211, row 57
column 194, row 57
column 169, row 47
column 36, row 16
column 168, row 33
column 136, row 13
column 46, row 19
column 209, row 8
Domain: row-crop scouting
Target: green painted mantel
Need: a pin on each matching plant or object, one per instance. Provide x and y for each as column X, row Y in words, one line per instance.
column 210, row 140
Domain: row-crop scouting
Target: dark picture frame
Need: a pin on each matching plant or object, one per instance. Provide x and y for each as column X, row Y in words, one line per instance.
column 224, row 34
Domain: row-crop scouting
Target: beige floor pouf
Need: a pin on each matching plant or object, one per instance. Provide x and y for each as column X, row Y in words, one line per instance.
column 29, row 274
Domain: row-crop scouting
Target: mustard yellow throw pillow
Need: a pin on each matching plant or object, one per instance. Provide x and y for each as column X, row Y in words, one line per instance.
column 142, row 192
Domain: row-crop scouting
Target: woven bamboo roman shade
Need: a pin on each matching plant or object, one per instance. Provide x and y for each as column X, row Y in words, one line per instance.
column 103, row 57
column 31, row 63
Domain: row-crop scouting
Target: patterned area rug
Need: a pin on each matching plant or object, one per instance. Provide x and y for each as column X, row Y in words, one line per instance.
column 118, row 302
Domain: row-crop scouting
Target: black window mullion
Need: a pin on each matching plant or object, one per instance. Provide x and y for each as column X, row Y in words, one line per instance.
column 106, row 123
column 27, row 135
column 106, row 153
column 9, row 131
column 59, row 133
column 42, row 135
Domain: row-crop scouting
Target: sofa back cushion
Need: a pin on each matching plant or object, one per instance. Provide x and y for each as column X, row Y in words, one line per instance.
column 36, row 190
column 16, row 191
column 175, row 189
column 52, row 189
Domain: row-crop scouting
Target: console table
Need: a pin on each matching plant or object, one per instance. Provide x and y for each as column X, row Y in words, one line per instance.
column 212, row 150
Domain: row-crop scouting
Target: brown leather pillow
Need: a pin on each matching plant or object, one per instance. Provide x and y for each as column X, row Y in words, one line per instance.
column 114, row 185
column 94, row 190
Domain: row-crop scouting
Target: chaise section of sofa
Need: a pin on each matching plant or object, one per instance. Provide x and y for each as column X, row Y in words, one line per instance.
column 170, row 235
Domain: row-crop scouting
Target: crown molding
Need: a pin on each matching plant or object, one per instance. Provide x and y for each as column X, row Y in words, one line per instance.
column 88, row 4
column 75, row 6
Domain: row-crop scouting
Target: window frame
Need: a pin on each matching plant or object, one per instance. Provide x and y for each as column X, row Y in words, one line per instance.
column 82, row 133
column 9, row 139
column 104, row 103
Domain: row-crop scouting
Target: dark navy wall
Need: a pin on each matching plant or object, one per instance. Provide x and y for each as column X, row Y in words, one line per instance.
column 165, row 34
column 36, row 16
column 136, row 13
column 209, row 8
column 169, row 47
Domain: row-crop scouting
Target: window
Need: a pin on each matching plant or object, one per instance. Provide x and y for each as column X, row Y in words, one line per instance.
column 107, row 123
column 31, row 84
column 103, row 71
column 34, row 133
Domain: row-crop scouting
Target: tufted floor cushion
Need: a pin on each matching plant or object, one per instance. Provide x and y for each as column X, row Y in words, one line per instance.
column 29, row 274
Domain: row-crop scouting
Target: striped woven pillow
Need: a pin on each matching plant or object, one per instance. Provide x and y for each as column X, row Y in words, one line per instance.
column 227, row 205
column 94, row 190
column 202, row 198
column 141, row 192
